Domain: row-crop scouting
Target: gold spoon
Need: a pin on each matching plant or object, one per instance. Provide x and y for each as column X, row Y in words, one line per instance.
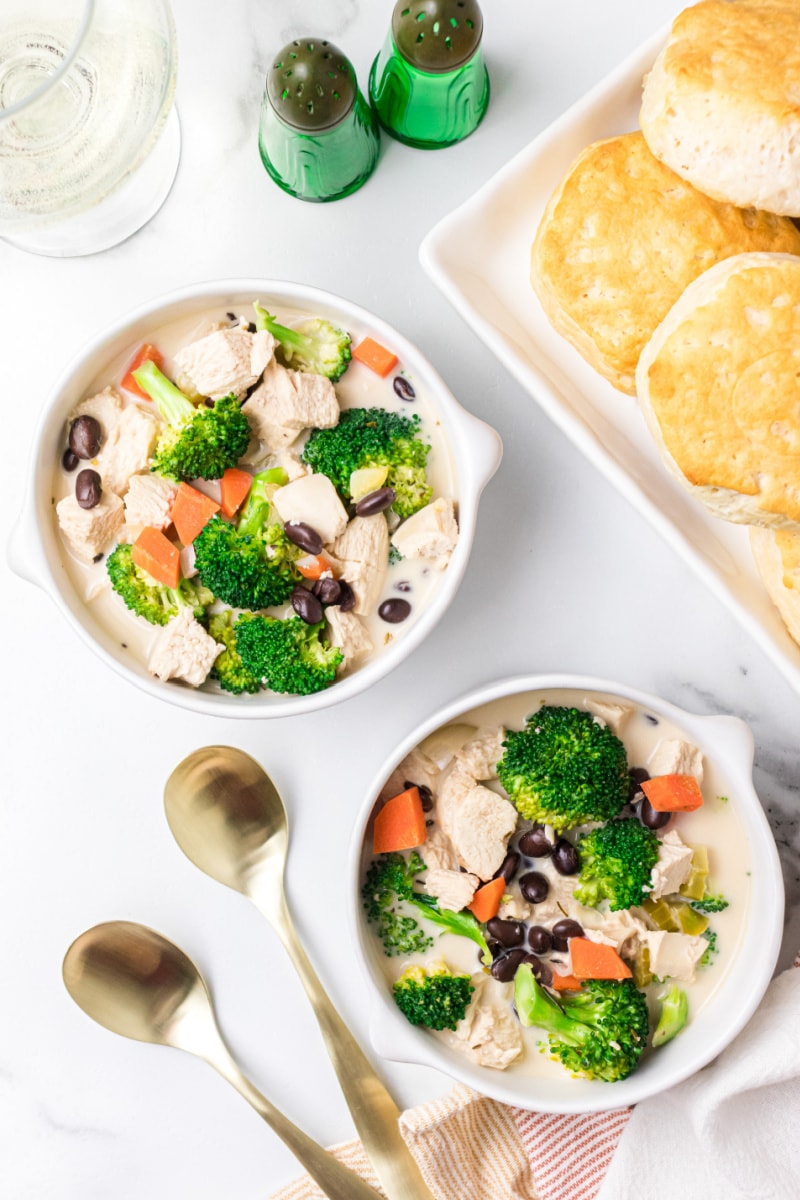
column 136, row 983
column 227, row 816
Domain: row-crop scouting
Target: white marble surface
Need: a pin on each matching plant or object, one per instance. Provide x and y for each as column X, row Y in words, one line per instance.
column 564, row 575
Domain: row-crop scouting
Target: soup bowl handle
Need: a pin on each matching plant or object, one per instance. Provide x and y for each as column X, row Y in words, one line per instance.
column 399, row 1042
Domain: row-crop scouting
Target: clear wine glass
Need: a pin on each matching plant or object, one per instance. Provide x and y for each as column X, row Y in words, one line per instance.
column 89, row 137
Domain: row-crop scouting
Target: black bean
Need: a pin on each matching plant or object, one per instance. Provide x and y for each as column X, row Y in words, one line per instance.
column 231, row 316
column 306, row 605
column 425, row 793
column 651, row 817
column 85, row 437
column 567, row 928
column 509, row 867
column 510, row 933
column 375, row 502
column 98, row 557
column 540, row 939
column 535, row 843
column 69, row 460
column 394, row 611
column 505, row 968
column 496, row 949
column 403, row 388
column 303, row 536
column 637, row 776
column 566, row 859
column 328, row 590
column 88, row 488
column 403, row 586
column 534, row 886
column 541, row 970
column 347, row 600
column 250, row 327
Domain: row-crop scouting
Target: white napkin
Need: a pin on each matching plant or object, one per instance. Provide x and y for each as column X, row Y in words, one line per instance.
column 732, row 1132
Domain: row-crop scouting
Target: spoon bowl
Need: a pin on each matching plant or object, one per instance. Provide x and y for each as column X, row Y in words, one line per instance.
column 227, row 816
column 132, row 981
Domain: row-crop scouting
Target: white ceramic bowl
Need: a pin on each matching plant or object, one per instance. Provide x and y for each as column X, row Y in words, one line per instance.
column 723, row 740
column 36, row 551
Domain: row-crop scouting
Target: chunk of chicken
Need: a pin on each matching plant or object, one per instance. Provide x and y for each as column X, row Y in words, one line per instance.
column 286, row 402
column 674, row 756
column 148, row 501
column 453, row 889
column 223, row 363
column 127, row 449
column 430, row 533
column 674, row 955
column 615, row 716
column 673, row 867
column 481, row 754
column 313, row 500
column 437, row 852
column 481, row 827
column 183, row 650
column 363, row 549
column 488, row 1034
column 347, row 631
column 90, row 531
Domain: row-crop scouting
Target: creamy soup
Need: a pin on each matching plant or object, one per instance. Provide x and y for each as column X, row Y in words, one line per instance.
column 414, row 579
column 715, row 825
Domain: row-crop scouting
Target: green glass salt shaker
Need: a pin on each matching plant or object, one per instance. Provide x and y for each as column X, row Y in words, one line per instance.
column 317, row 136
column 429, row 84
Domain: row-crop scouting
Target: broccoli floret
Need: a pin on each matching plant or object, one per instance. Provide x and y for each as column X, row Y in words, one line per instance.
column 373, row 437
column 147, row 597
column 564, row 769
column 251, row 564
column 710, row 904
column 436, row 998
column 616, row 861
column 288, row 656
column 228, row 667
column 198, row 443
column 672, row 1017
column 599, row 1032
column 315, row 346
column 391, row 879
column 388, row 880
column 710, row 950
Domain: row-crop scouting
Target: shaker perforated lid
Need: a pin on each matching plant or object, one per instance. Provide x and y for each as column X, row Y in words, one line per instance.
column 437, row 35
column 311, row 85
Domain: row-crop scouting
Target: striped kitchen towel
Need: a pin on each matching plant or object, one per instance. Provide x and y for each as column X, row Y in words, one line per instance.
column 730, row 1131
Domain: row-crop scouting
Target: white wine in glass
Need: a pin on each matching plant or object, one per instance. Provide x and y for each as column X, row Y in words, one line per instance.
column 89, row 138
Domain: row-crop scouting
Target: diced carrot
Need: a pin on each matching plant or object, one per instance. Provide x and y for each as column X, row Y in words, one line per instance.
column 565, row 983
column 596, row 960
column 158, row 556
column 145, row 353
column 314, row 566
column 191, row 510
column 673, row 793
column 233, row 488
column 486, row 900
column 375, row 356
column 400, row 825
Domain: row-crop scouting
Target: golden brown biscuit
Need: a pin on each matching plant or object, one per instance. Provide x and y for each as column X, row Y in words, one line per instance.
column 619, row 241
column 719, row 386
column 721, row 105
column 777, row 556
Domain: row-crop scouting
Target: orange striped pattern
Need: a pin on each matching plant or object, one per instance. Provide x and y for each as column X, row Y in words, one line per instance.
column 569, row 1155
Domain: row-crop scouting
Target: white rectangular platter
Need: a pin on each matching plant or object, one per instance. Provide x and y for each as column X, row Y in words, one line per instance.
column 479, row 257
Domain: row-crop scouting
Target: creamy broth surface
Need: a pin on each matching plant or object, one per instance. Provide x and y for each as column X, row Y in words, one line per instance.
column 359, row 387
column 716, row 825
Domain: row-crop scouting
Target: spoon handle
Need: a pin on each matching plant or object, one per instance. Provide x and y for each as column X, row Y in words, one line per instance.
column 335, row 1180
column 373, row 1110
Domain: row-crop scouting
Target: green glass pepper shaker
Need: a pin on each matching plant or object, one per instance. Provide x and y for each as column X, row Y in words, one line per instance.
column 429, row 84
column 317, row 136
